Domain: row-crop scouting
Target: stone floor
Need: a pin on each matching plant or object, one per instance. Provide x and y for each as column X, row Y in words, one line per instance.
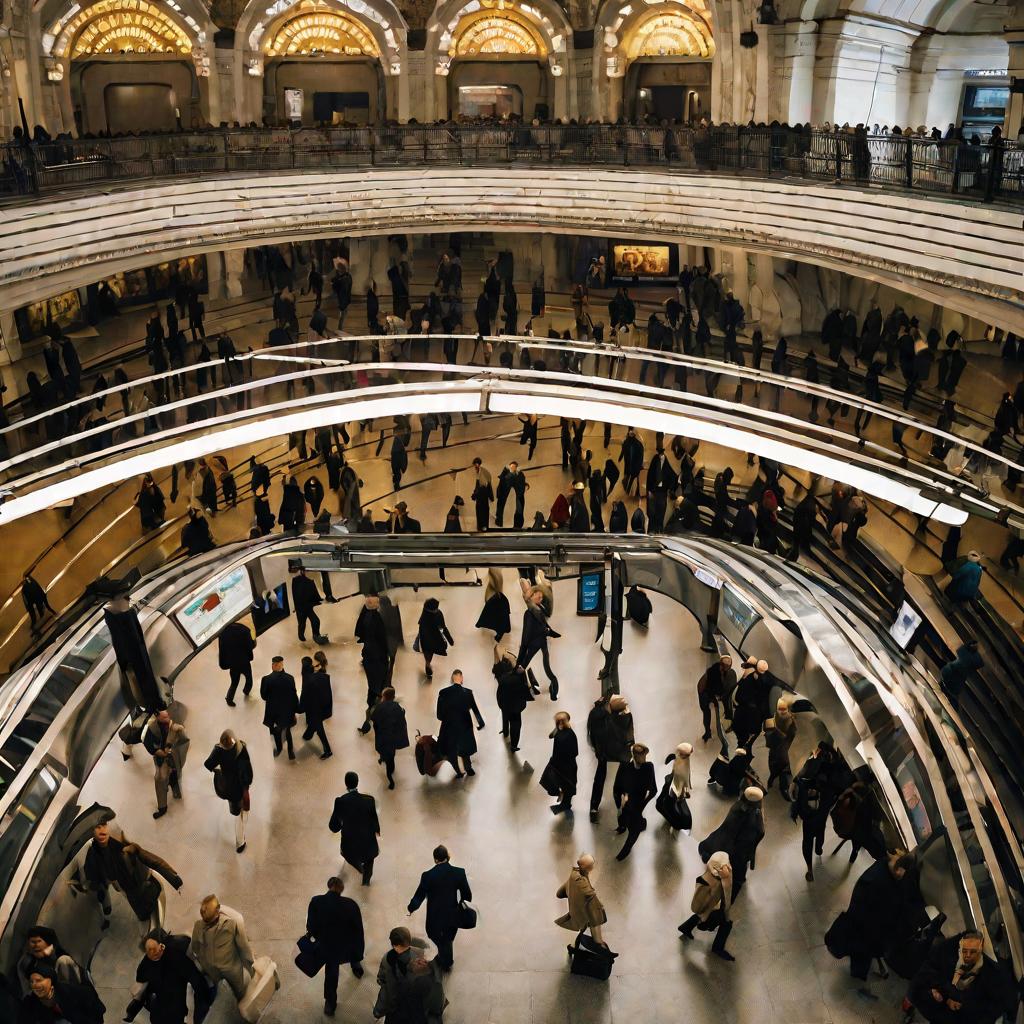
column 497, row 825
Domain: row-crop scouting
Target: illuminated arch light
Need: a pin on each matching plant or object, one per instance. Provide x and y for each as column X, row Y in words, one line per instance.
column 356, row 10
column 496, row 31
column 670, row 34
column 321, row 30
column 546, row 35
column 110, row 26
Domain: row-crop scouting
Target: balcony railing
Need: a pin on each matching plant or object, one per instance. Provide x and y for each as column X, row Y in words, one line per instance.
column 945, row 166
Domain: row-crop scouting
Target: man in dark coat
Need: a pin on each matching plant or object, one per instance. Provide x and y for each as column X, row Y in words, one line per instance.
column 335, row 924
column 166, row 973
column 610, row 734
column 390, row 731
column 282, row 700
column 371, row 632
column 51, row 1000
column 512, row 696
column 635, row 787
column 638, row 605
column 355, row 817
column 483, row 494
column 511, row 480
column 342, row 285
column 716, row 684
column 661, row 481
column 316, row 702
column 958, row 984
column 739, row 836
column 235, row 648
column 306, row 597
column 536, row 630
column 35, row 600
column 632, row 458
column 444, row 887
column 73, row 365
column 111, row 861
column 456, row 708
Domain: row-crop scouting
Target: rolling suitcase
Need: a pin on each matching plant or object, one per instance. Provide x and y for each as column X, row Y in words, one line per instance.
column 260, row 990
column 590, row 959
column 428, row 757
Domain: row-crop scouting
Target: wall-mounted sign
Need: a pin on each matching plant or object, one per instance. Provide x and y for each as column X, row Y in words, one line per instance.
column 293, row 104
column 987, row 73
column 643, row 261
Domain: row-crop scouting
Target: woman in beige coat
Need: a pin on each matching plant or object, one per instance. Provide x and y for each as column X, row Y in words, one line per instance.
column 710, row 905
column 585, row 907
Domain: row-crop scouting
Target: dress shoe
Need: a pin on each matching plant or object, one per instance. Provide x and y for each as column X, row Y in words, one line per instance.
column 358, row 970
column 808, row 875
column 322, row 639
column 159, row 812
column 240, row 849
column 230, row 703
column 513, row 750
column 685, row 933
column 364, row 729
column 277, row 753
column 291, row 755
column 391, row 783
column 470, row 771
column 557, row 808
column 724, row 954
column 329, row 1010
column 326, row 754
column 459, row 775
column 593, row 816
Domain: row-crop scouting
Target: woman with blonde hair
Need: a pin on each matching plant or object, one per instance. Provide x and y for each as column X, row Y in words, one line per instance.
column 712, row 896
column 496, row 613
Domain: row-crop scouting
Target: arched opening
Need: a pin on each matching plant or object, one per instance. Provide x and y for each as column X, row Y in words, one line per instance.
column 656, row 62
column 132, row 65
column 500, row 60
column 322, row 66
column 320, row 61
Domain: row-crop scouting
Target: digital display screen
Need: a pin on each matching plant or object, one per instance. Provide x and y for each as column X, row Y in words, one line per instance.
column 590, row 593
column 643, row 261
column 905, row 626
column 907, row 778
column 736, row 616
column 209, row 611
column 270, row 608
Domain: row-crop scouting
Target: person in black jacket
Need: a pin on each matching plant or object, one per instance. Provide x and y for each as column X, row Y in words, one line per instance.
column 536, row 631
column 433, row 636
column 229, row 761
column 610, row 734
column 958, row 984
column 371, row 632
column 635, row 788
column 335, row 924
column 661, row 481
column 560, row 774
column 316, row 702
column 306, row 597
column 818, row 785
column 638, row 605
column 632, row 458
column 235, row 647
column 259, row 476
column 390, row 731
column 512, row 695
column 444, row 887
column 282, row 700
column 511, row 480
column 34, row 598
column 166, row 973
column 292, row 513
column 51, row 1000
column 456, row 708
column 196, row 537
column 355, row 817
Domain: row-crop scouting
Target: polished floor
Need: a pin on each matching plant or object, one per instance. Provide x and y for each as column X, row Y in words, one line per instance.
column 512, row 968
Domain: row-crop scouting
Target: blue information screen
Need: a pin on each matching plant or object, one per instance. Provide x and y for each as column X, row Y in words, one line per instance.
column 590, row 593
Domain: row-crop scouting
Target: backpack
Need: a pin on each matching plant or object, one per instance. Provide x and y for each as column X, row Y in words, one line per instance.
column 638, row 521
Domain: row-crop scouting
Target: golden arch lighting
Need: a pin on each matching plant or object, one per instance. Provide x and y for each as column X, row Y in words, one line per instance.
column 672, row 33
column 114, row 26
column 497, row 31
column 321, row 30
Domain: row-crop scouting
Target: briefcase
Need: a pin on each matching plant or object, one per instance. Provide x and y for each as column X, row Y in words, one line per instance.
column 310, row 958
column 590, row 959
column 260, row 990
column 467, row 915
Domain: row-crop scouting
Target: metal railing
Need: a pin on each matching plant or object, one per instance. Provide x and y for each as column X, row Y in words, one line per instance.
column 950, row 166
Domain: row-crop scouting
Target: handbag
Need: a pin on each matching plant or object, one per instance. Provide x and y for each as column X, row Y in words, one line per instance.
column 837, row 938
column 416, row 644
column 220, row 785
column 310, row 958
column 467, row 915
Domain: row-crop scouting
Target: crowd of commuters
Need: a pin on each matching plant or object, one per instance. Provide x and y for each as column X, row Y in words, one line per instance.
column 950, row 979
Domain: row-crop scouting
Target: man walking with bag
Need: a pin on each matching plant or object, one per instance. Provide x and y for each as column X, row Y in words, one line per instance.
column 335, row 925
column 232, row 777
column 355, row 817
column 445, row 888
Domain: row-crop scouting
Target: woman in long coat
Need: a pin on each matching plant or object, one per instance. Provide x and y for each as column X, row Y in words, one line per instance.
column 671, row 803
column 779, row 734
column 150, row 503
column 433, row 637
column 738, row 836
column 496, row 613
column 292, row 513
column 559, row 775
column 390, row 732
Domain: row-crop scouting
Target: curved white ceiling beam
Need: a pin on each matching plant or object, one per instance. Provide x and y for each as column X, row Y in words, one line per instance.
column 478, row 394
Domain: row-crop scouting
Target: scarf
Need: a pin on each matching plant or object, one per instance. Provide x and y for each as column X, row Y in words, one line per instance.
column 964, row 976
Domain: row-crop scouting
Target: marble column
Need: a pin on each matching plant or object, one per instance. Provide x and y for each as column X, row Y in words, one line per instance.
column 234, row 267
column 797, row 86
column 10, row 345
column 1015, row 107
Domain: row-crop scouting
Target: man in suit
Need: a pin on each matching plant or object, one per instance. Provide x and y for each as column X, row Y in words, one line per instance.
column 511, row 480
column 444, row 887
column 235, row 648
column 483, row 494
column 282, row 700
column 334, row 922
column 355, row 817
column 306, row 597
column 456, row 707
column 167, row 743
column 661, row 479
column 372, row 633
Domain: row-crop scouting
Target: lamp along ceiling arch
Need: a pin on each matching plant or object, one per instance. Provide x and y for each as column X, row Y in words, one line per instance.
column 122, row 26
column 670, row 31
column 496, row 30
column 318, row 28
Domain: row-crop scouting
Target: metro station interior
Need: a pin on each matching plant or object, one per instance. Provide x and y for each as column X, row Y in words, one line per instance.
column 512, row 403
